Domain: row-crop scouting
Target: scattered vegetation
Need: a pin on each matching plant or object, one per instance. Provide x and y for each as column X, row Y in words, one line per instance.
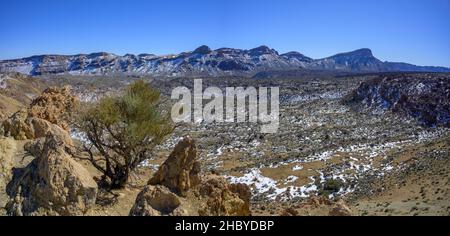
column 331, row 186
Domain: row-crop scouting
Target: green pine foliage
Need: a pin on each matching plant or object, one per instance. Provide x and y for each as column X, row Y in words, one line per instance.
column 123, row 130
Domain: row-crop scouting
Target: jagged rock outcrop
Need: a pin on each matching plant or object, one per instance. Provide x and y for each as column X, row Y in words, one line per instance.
column 156, row 201
column 219, row 198
column 177, row 189
column 17, row 126
column 52, row 184
column 7, row 150
column 43, row 128
column 180, row 172
column 54, row 106
column 21, row 127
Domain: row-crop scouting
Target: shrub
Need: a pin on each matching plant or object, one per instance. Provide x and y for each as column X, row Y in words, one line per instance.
column 331, row 186
column 123, row 130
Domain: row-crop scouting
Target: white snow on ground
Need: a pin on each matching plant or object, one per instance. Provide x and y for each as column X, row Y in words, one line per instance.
column 255, row 143
column 388, row 168
column 291, row 99
column 170, row 143
column 297, row 167
column 219, row 151
column 262, row 184
column 428, row 135
column 78, row 135
column 360, row 160
column 147, row 164
column 367, row 151
column 291, row 178
column 213, row 155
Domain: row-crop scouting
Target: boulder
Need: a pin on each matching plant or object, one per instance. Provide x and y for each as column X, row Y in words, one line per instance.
column 42, row 128
column 242, row 190
column 177, row 189
column 180, row 171
column 219, row 198
column 156, row 201
column 52, row 184
column 53, row 107
column 21, row 127
column 18, row 126
column 7, row 152
column 7, row 149
column 212, row 197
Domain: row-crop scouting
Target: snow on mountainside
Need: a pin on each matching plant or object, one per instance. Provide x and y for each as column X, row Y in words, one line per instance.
column 203, row 62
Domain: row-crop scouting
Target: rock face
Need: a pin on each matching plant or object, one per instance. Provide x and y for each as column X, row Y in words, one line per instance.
column 203, row 62
column 18, row 127
column 52, row 184
column 219, row 198
column 7, row 150
column 180, row 171
column 52, row 107
column 420, row 96
column 177, row 189
column 156, row 201
column 21, row 127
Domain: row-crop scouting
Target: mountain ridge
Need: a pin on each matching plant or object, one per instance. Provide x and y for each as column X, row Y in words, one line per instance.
column 203, row 61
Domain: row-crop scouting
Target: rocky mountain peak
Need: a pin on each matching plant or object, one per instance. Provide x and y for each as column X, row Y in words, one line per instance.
column 296, row 55
column 360, row 53
column 363, row 52
column 202, row 50
column 358, row 60
column 261, row 50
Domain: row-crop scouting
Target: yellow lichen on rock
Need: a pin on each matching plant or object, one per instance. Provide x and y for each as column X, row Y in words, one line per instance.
column 54, row 106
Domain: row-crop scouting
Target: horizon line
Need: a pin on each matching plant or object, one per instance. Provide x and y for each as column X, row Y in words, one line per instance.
column 189, row 51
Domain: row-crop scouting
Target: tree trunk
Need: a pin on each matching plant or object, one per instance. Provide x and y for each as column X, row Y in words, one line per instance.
column 119, row 180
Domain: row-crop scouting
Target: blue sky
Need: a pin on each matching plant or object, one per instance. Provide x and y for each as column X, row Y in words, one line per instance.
column 396, row 30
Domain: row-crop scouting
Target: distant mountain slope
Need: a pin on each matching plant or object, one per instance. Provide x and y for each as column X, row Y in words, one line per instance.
column 359, row 60
column 17, row 91
column 204, row 62
column 425, row 97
